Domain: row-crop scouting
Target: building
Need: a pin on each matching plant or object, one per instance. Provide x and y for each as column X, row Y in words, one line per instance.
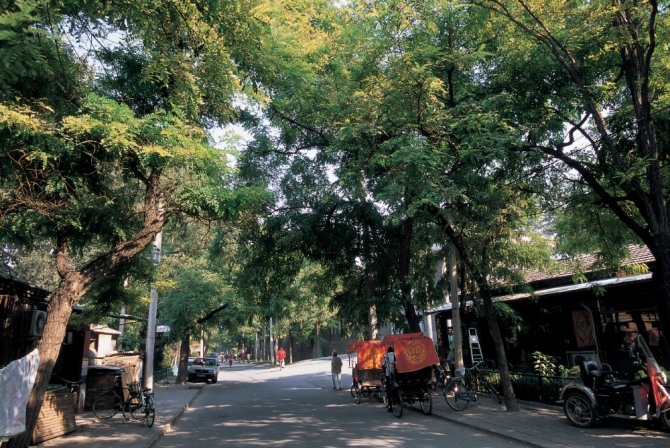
column 22, row 316
column 597, row 318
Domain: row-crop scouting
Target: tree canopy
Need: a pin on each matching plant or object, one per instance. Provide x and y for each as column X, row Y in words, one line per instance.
column 381, row 133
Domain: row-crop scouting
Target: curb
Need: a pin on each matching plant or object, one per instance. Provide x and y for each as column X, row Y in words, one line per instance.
column 169, row 426
column 513, row 435
column 479, row 428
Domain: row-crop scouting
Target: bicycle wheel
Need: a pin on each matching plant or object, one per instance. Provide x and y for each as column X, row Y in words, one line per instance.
column 457, row 395
column 426, row 403
column 385, row 399
column 150, row 411
column 395, row 402
column 136, row 408
column 359, row 394
column 106, row 406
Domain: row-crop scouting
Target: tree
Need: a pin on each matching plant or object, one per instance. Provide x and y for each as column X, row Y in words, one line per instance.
column 80, row 169
column 601, row 79
column 192, row 292
column 320, row 117
column 423, row 138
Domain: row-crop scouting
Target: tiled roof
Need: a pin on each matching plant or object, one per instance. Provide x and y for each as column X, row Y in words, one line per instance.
column 637, row 254
column 560, row 280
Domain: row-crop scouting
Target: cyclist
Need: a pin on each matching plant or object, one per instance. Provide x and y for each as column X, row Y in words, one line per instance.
column 388, row 364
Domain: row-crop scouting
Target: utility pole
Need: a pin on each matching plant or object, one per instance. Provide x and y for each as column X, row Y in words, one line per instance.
column 151, row 323
column 272, row 346
column 455, row 312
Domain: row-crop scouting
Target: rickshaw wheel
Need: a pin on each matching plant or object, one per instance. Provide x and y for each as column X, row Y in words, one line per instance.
column 579, row 410
column 359, row 394
column 396, row 402
column 426, row 403
column 665, row 416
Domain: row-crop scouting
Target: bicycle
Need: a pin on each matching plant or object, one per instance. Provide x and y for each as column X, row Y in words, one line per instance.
column 139, row 405
column 72, row 387
column 459, row 392
column 149, row 407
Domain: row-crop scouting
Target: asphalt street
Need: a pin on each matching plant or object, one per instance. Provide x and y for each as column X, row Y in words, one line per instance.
column 261, row 406
column 267, row 407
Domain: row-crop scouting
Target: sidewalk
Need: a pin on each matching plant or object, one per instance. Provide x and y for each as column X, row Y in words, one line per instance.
column 545, row 426
column 171, row 401
column 536, row 425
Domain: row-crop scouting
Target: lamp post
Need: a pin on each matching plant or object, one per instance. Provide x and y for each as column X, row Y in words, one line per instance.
column 151, row 323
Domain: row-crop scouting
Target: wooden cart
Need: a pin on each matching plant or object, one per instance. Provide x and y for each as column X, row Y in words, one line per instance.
column 367, row 371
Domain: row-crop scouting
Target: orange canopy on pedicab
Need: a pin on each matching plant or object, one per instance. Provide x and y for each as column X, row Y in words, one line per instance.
column 369, row 354
column 413, row 351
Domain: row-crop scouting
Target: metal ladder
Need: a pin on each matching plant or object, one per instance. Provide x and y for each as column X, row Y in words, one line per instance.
column 475, row 349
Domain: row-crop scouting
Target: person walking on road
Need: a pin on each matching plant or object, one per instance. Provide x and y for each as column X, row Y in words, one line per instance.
column 281, row 356
column 336, row 371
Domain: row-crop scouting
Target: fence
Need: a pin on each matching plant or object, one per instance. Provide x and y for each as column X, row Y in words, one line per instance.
column 531, row 386
column 164, row 374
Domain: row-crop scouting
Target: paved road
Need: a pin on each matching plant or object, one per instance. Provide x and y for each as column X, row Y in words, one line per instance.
column 258, row 406
column 252, row 406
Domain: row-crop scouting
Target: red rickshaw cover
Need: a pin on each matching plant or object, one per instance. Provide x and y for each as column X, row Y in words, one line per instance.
column 413, row 351
column 369, row 354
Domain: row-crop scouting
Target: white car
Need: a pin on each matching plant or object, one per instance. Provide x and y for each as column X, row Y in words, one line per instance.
column 203, row 369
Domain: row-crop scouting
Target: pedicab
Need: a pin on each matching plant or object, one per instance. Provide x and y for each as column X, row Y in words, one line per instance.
column 412, row 381
column 367, row 371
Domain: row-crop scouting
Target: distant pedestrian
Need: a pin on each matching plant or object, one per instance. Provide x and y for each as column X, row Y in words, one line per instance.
column 336, row 371
column 281, row 356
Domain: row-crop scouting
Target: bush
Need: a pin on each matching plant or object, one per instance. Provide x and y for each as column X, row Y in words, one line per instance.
column 545, row 365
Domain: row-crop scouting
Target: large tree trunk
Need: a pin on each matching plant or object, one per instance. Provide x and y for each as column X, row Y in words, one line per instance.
column 662, row 279
column 182, row 369
column 317, row 340
column 404, row 273
column 459, row 366
column 410, row 311
column 511, row 403
column 373, row 325
column 401, row 262
column 73, row 285
column 58, row 314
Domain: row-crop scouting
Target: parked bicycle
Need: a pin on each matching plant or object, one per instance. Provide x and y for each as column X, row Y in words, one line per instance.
column 461, row 391
column 72, row 387
column 139, row 404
